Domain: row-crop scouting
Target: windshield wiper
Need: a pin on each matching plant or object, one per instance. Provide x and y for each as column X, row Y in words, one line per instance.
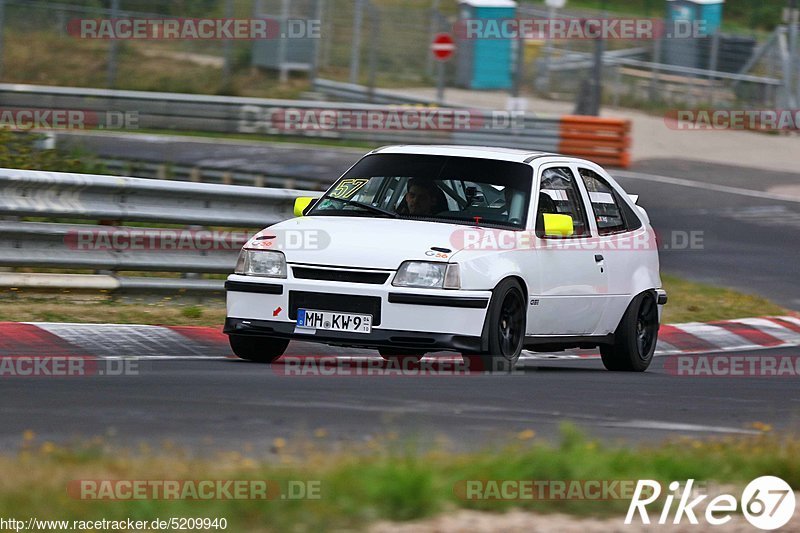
column 368, row 207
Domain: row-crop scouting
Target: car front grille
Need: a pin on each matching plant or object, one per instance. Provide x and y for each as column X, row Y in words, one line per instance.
column 350, row 276
column 344, row 303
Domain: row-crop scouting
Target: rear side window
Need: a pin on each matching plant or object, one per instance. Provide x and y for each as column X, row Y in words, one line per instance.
column 559, row 195
column 610, row 212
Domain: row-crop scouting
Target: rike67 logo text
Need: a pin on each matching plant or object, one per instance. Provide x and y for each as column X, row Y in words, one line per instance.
column 767, row 502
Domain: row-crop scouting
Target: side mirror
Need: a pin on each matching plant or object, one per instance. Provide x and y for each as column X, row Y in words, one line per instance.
column 558, row 225
column 301, row 204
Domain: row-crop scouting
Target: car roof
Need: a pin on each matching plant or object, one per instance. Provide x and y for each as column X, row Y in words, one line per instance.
column 483, row 152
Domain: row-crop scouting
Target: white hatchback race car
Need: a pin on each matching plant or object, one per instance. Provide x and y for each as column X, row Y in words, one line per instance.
column 482, row 251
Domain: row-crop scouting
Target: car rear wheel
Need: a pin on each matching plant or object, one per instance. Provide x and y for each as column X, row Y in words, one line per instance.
column 257, row 349
column 506, row 329
column 635, row 338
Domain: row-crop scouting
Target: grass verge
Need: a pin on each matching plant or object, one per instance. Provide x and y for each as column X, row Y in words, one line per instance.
column 699, row 302
column 688, row 302
column 380, row 480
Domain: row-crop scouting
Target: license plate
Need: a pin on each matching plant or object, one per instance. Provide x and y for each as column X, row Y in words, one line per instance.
column 331, row 320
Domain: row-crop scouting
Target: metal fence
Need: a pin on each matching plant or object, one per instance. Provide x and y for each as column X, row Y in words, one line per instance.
column 719, row 70
column 384, row 44
column 62, row 200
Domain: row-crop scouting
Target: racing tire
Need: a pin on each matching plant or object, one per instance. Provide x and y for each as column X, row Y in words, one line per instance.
column 257, row 349
column 635, row 338
column 505, row 323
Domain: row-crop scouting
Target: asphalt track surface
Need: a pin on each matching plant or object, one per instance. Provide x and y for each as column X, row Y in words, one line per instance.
column 749, row 243
column 208, row 404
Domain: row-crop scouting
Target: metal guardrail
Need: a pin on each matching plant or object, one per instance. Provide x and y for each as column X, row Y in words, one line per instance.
column 220, row 114
column 58, row 245
column 351, row 92
column 86, row 196
column 171, row 171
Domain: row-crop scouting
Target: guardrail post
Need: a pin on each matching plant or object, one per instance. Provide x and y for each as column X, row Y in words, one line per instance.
column 712, row 66
column 655, row 72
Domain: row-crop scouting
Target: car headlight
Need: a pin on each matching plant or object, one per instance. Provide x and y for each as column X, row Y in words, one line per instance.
column 267, row 263
column 428, row 275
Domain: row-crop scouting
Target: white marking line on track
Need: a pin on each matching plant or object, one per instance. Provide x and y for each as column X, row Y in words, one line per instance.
column 124, row 339
column 665, row 348
column 707, row 186
column 720, row 337
column 771, row 328
column 791, row 319
column 671, row 426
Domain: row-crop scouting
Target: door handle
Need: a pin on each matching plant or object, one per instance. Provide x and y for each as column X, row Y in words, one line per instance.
column 598, row 258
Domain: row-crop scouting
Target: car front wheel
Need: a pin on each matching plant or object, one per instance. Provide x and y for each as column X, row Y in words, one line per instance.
column 635, row 338
column 506, row 329
column 257, row 349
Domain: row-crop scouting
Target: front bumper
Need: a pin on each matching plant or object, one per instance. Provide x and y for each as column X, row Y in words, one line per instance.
column 402, row 317
column 661, row 297
column 414, row 340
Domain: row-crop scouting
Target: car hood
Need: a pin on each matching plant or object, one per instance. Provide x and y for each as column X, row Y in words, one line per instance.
column 380, row 243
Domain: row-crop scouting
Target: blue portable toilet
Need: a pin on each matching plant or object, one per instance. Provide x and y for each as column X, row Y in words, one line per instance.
column 695, row 10
column 485, row 62
column 683, row 15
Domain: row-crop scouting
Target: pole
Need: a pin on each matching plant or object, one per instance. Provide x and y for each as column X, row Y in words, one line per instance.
column 654, row 83
column 2, row 31
column 543, row 80
column 374, row 32
column 283, row 43
column 440, row 82
column 112, row 50
column 519, row 60
column 432, row 29
column 597, row 71
column 355, row 52
column 315, row 57
column 227, row 49
column 794, row 85
column 713, row 61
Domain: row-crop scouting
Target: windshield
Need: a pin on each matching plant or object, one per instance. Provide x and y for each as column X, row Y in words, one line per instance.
column 458, row 190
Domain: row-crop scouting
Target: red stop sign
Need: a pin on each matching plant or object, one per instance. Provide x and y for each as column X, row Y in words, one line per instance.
column 443, row 46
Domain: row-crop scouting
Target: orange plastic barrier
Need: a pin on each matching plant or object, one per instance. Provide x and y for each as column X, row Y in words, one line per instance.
column 606, row 141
